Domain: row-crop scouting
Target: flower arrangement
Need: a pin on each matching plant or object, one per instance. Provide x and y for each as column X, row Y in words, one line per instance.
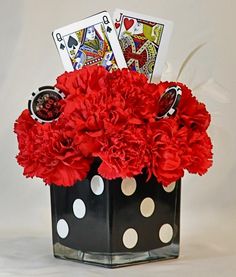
column 113, row 117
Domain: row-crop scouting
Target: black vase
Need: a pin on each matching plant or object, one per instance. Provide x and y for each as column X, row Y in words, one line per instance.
column 117, row 222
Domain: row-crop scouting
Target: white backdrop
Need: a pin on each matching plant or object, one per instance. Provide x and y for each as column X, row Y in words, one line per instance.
column 29, row 59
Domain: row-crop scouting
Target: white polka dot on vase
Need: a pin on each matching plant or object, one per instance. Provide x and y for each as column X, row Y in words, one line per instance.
column 97, row 185
column 62, row 228
column 147, row 207
column 128, row 186
column 130, row 238
column 166, row 233
column 170, row 187
column 79, row 208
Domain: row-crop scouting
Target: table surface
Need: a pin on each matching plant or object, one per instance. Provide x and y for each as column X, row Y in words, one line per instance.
column 32, row 256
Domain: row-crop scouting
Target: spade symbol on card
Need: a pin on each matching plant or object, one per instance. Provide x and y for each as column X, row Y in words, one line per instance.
column 72, row 42
column 109, row 29
column 62, row 46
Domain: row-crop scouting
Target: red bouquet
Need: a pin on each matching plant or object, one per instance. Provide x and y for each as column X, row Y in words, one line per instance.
column 113, row 117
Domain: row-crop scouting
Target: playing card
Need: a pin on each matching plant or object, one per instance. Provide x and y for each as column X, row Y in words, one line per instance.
column 144, row 41
column 88, row 42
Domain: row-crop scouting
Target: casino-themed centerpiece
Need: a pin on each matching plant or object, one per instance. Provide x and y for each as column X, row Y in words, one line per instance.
column 113, row 146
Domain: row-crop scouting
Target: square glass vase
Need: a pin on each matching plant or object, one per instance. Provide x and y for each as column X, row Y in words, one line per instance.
column 114, row 223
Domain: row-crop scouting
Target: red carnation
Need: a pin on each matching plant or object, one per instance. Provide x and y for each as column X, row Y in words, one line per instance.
column 112, row 116
column 123, row 154
column 139, row 97
column 200, row 153
column 89, row 79
column 190, row 112
column 50, row 151
column 165, row 140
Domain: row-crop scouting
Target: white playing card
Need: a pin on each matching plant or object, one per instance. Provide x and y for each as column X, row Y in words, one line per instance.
column 88, row 42
column 144, row 41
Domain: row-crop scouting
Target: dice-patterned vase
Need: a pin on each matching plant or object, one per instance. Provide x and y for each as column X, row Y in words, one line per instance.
column 117, row 222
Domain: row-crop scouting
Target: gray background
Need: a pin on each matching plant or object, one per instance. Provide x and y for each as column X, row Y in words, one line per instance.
column 29, row 59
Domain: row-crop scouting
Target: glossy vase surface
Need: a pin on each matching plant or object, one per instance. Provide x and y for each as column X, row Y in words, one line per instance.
column 116, row 222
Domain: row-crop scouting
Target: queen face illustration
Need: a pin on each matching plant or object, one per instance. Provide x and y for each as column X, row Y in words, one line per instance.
column 90, row 34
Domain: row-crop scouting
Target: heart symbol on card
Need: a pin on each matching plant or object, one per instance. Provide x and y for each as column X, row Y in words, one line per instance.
column 128, row 23
column 117, row 25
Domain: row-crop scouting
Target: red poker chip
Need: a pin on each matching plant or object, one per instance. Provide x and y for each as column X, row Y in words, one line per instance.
column 44, row 104
column 169, row 101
